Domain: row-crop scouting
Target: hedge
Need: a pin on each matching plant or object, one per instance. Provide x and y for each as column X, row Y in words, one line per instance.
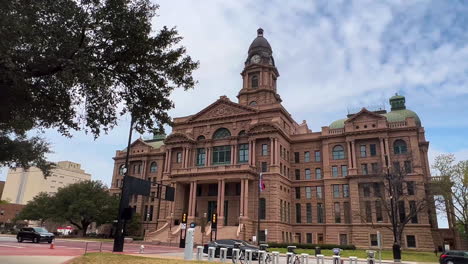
column 311, row 246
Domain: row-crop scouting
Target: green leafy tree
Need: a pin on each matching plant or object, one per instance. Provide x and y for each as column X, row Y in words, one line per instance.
column 134, row 225
column 83, row 203
column 40, row 208
column 453, row 190
column 79, row 65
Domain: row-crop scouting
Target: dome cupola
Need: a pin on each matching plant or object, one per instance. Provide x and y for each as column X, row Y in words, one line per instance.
column 260, row 51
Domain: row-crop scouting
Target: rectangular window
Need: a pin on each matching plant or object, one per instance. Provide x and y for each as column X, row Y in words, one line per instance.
column 201, row 156
column 179, row 158
column 212, row 189
column 410, row 188
column 309, row 238
column 335, row 171
column 378, row 211
column 377, row 192
column 298, row 238
column 344, row 170
column 296, row 157
column 373, row 240
column 368, row 209
column 373, row 150
column 375, row 167
column 243, row 153
column 366, row 190
column 309, row 213
column 145, row 214
column 262, row 208
column 307, row 174
column 319, row 192
column 413, row 212
column 318, row 173
column 411, row 241
column 343, row 239
column 264, row 150
column 298, row 213
column 308, row 192
column 337, row 213
column 402, row 211
column 408, row 167
column 222, row 155
column 298, row 174
column 317, row 155
column 320, row 213
column 363, row 151
column 281, row 211
column 347, row 212
column 336, row 191
column 264, row 166
column 364, row 169
column 152, row 196
column 345, row 190
column 151, row 213
column 320, row 238
column 298, row 192
column 306, row 156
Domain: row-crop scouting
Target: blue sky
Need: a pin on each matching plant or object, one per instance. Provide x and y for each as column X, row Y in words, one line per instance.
column 332, row 55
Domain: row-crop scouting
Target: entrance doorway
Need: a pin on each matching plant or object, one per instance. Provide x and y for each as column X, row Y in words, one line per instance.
column 211, row 209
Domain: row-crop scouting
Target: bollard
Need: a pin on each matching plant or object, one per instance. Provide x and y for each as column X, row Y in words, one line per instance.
column 200, row 253
column 275, row 257
column 223, row 254
column 142, row 249
column 320, row 259
column 289, row 257
column 336, row 259
column 100, row 247
column 304, row 258
column 248, row 256
column 235, row 255
column 261, row 256
column 352, row 260
column 211, row 253
column 86, row 248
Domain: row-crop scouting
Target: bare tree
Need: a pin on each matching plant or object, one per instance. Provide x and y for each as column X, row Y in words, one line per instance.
column 452, row 188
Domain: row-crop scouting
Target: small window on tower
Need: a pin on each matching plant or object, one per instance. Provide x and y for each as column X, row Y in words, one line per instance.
column 254, row 81
column 253, row 103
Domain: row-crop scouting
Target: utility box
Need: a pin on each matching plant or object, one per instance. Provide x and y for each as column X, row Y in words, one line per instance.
column 189, row 237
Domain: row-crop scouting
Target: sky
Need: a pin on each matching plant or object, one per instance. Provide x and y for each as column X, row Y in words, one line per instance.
column 331, row 55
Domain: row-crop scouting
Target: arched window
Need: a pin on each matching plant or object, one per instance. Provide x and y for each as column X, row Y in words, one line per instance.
column 153, row 167
column 221, row 133
column 201, row 137
column 242, row 133
column 254, row 81
column 121, row 169
column 253, row 103
column 262, row 208
column 399, row 147
column 338, row 152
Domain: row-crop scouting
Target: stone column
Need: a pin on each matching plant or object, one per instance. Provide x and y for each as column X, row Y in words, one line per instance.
column 166, row 161
column 194, row 199
column 241, row 198
column 246, row 198
column 169, row 161
column 144, row 164
column 382, row 152
column 220, row 205
column 348, row 147
column 190, row 207
column 233, row 151
column 235, row 154
column 353, row 153
column 277, row 152
column 208, row 157
column 253, row 153
column 272, row 143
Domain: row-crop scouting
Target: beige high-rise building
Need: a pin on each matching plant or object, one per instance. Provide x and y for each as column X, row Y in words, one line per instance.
column 22, row 185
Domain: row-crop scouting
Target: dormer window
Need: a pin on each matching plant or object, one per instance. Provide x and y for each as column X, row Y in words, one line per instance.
column 254, row 81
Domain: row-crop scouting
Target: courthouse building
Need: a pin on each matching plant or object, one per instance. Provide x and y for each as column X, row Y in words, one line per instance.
column 320, row 187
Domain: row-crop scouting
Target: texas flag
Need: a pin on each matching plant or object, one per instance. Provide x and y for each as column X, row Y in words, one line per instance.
column 261, row 183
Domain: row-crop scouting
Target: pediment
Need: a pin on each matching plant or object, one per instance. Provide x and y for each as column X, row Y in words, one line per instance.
column 263, row 128
column 178, row 138
column 364, row 115
column 222, row 108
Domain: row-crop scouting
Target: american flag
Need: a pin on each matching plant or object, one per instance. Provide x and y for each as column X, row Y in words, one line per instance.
column 261, row 183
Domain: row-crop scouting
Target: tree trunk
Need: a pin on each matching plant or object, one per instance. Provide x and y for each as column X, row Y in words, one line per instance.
column 85, row 228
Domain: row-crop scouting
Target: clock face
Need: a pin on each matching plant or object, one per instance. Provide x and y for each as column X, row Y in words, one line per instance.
column 255, row 59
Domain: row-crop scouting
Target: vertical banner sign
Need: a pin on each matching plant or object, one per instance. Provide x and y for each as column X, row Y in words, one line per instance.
column 183, row 230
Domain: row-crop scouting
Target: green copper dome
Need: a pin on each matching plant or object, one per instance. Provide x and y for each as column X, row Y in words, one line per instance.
column 401, row 115
column 338, row 124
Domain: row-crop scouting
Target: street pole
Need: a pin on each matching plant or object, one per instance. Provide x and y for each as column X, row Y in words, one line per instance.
column 396, row 248
column 124, row 199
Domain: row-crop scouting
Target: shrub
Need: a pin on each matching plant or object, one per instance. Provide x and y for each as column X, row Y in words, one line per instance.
column 311, row 246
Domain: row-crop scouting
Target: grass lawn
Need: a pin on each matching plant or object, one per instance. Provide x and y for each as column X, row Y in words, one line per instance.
column 109, row 258
column 419, row 256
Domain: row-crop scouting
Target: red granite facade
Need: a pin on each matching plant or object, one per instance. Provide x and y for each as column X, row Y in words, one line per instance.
column 318, row 184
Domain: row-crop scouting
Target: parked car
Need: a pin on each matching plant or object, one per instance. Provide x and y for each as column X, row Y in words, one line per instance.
column 34, row 234
column 229, row 244
column 454, row 257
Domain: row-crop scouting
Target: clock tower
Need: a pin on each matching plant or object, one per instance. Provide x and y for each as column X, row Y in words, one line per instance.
column 259, row 74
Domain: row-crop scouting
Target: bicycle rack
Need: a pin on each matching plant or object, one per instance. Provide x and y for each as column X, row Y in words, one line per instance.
column 248, row 254
column 261, row 256
column 211, row 253
column 199, row 253
column 370, row 260
column 223, row 254
column 336, row 259
column 235, row 255
column 304, row 258
column 275, row 257
column 352, row 260
column 289, row 257
column 320, row 259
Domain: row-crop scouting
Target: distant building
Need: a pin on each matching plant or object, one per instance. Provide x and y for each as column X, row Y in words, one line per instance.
column 8, row 212
column 22, row 185
column 2, row 186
